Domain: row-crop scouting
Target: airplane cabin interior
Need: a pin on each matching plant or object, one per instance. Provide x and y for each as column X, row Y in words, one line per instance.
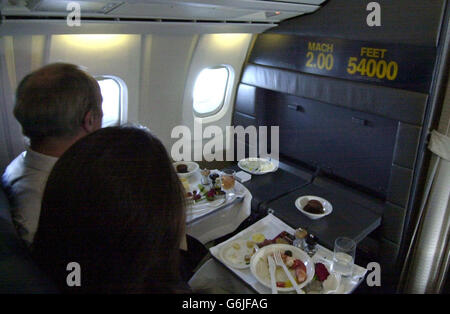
column 353, row 95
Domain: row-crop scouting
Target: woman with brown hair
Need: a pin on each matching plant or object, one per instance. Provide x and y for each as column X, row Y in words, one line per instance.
column 114, row 205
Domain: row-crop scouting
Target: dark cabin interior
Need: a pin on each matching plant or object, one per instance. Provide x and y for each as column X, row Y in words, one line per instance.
column 356, row 141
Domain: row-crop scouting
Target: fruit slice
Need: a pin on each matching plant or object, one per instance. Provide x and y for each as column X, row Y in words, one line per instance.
column 321, row 271
column 258, row 237
column 300, row 273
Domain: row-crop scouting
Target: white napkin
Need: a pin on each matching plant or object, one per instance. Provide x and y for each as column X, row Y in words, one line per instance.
column 243, row 176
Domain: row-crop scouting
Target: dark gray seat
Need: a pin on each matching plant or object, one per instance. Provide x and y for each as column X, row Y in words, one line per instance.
column 18, row 272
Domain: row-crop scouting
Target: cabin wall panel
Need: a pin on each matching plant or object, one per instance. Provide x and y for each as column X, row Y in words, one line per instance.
column 6, row 99
column 358, row 146
column 243, row 119
column 164, row 69
column 392, row 224
column 396, row 104
column 388, row 255
column 245, row 99
column 407, row 145
column 399, row 186
column 212, row 50
column 19, row 55
column 22, row 53
column 6, row 154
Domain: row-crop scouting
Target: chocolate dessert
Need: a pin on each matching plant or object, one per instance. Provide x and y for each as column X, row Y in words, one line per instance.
column 314, row 207
column 182, row 168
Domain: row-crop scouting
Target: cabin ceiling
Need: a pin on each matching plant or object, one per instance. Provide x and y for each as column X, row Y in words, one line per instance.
column 192, row 11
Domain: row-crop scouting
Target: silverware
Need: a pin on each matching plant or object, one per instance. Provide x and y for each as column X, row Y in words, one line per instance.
column 279, row 262
column 272, row 274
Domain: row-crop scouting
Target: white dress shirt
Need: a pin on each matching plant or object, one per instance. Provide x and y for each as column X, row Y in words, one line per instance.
column 25, row 179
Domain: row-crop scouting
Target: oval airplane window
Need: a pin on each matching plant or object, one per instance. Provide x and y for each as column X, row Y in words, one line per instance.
column 113, row 102
column 209, row 90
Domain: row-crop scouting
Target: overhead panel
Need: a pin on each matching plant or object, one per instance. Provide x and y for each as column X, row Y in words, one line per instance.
column 186, row 10
column 178, row 11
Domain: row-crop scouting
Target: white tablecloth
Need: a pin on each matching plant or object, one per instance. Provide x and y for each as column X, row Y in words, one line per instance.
column 212, row 224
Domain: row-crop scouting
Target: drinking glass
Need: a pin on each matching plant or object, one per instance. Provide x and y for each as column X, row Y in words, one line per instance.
column 344, row 256
column 227, row 180
column 205, row 174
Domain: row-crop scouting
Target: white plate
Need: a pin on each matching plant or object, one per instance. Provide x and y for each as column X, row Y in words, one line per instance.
column 257, row 166
column 303, row 200
column 192, row 168
column 233, row 254
column 260, row 269
column 205, row 204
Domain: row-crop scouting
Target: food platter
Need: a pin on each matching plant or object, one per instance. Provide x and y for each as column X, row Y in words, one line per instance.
column 258, row 166
column 201, row 201
column 204, row 196
column 270, row 226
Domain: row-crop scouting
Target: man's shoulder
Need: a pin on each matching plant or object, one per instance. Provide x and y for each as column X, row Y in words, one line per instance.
column 19, row 175
column 14, row 170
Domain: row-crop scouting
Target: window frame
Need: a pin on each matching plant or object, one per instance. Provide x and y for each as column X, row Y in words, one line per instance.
column 227, row 85
column 123, row 96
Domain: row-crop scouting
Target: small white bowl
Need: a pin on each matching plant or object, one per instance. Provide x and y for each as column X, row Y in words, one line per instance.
column 303, row 200
column 332, row 283
column 192, row 167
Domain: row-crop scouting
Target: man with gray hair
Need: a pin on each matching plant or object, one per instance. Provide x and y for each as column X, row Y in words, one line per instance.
column 56, row 106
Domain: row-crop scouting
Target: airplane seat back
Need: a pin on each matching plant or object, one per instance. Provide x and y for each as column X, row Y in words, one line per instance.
column 18, row 272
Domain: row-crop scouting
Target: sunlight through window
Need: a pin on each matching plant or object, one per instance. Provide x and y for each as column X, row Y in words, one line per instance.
column 111, row 93
column 209, row 90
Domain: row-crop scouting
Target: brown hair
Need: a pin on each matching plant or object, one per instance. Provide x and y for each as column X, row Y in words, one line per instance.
column 54, row 100
column 114, row 204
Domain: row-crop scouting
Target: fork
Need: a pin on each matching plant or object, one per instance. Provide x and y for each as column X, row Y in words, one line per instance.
column 272, row 274
column 279, row 262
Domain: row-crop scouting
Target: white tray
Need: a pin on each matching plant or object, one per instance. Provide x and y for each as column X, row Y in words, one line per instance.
column 204, row 209
column 271, row 226
column 197, row 210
